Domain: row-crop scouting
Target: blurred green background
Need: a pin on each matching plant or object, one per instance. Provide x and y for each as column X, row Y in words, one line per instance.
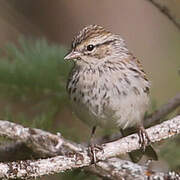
column 34, row 37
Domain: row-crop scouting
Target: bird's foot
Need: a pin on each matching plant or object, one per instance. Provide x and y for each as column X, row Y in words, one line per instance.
column 143, row 138
column 92, row 149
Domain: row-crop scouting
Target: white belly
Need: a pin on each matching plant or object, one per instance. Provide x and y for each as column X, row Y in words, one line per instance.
column 109, row 102
column 128, row 112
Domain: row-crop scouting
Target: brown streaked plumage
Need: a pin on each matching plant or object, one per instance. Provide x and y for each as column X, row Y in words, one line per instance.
column 107, row 85
column 88, row 32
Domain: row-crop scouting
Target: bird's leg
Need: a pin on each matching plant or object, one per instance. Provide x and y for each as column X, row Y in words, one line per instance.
column 143, row 137
column 144, row 140
column 93, row 147
column 92, row 134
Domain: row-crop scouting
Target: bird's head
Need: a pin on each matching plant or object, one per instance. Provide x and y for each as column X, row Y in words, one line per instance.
column 94, row 44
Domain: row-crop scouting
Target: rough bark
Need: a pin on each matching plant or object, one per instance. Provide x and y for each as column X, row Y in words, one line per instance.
column 76, row 156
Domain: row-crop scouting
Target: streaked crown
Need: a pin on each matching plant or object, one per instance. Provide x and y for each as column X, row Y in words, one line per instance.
column 94, row 43
column 88, row 32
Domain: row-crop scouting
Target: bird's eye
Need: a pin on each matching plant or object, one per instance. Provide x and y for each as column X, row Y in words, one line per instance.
column 90, row 47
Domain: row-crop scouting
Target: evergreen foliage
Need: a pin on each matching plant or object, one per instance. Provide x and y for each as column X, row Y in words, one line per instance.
column 34, row 68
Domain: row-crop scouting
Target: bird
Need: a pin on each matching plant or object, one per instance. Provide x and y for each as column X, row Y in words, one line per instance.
column 107, row 84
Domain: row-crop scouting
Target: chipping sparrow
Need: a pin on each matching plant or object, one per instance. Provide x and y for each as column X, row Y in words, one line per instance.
column 107, row 85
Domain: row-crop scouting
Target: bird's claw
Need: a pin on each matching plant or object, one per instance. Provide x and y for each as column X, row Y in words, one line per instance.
column 143, row 138
column 92, row 149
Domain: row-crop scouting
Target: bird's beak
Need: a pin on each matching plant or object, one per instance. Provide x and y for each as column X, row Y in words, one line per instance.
column 72, row 55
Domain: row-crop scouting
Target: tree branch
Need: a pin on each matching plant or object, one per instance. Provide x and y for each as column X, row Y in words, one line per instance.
column 130, row 143
column 41, row 142
column 113, row 168
column 165, row 10
column 76, row 155
column 45, row 144
column 163, row 111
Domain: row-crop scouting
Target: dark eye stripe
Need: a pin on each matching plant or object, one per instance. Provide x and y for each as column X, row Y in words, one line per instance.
column 97, row 45
column 106, row 42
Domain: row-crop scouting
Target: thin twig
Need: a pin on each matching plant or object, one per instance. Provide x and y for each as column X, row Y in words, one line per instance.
column 163, row 111
column 165, row 10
